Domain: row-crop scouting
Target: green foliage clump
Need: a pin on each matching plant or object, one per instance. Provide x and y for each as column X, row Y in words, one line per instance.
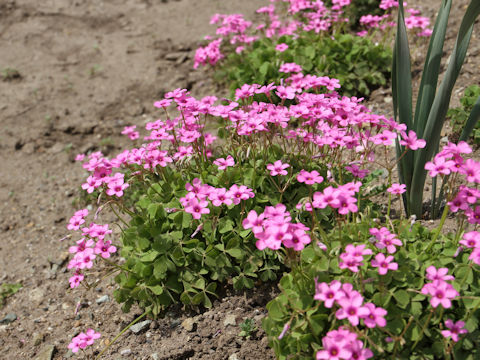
column 412, row 328
column 458, row 116
column 359, row 64
column 7, row 290
column 171, row 257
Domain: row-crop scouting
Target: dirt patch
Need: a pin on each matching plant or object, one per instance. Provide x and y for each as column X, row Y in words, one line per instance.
column 84, row 71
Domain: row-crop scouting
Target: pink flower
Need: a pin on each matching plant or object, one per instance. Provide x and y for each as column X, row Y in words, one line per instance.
column 284, row 330
column 397, row 189
column 346, row 204
column 342, row 344
column 287, row 92
column 384, row 263
column 275, row 235
column 439, row 166
column 329, row 197
column 254, row 222
column 375, row 317
column 197, row 208
column 455, row 329
column 438, row 274
column 85, row 258
column 290, row 67
column 224, row 163
column 83, row 340
column 309, row 178
column 281, row 47
column 356, row 171
column 475, row 256
column 82, row 244
column 441, row 292
column 91, row 184
column 75, row 280
column 79, row 157
column 385, row 138
column 333, row 350
column 328, row 293
column 220, row 196
column 277, row 168
column 299, row 237
column 116, row 186
column 240, row 193
column 352, row 258
column 75, row 222
column 162, row 103
column 411, row 142
column 352, row 309
column 385, row 239
column 104, row 248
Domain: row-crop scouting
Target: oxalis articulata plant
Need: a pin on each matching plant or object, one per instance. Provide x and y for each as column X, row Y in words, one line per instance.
column 432, row 103
column 278, row 186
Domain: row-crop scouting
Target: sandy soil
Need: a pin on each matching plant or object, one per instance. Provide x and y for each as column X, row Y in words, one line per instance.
column 87, row 68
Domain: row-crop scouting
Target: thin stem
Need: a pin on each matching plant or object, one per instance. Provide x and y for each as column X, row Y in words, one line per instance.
column 117, row 215
column 121, row 333
column 423, row 329
column 439, row 230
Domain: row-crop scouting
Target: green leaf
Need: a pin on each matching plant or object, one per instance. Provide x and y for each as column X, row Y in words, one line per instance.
column 149, row 256
column 157, row 289
column 225, row 225
column 264, row 68
column 473, row 120
column 402, row 298
column 160, row 268
column 236, row 253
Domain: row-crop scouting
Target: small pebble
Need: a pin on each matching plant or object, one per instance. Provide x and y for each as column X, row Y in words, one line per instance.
column 9, row 318
column 102, row 299
column 138, row 327
column 125, row 352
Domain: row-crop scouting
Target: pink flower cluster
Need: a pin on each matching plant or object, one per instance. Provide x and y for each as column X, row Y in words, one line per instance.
column 343, row 344
column 85, row 251
column 352, row 258
column 130, row 132
column 83, row 340
column 195, row 202
column 451, row 161
column 341, row 198
column 102, row 177
column 439, row 289
column 209, row 54
column 350, row 302
column 273, row 228
column 373, row 21
column 290, row 68
column 384, row 239
column 388, row 4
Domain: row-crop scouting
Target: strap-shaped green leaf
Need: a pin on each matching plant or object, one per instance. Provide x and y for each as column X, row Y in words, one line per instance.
column 473, row 118
column 402, row 75
column 431, row 70
column 440, row 106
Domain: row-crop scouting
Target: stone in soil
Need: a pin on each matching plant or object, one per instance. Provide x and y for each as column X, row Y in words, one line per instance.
column 9, row 318
column 143, row 325
column 189, row 324
column 46, row 353
column 102, row 299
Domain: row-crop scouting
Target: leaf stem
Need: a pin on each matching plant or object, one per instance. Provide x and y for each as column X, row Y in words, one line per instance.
column 121, row 333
